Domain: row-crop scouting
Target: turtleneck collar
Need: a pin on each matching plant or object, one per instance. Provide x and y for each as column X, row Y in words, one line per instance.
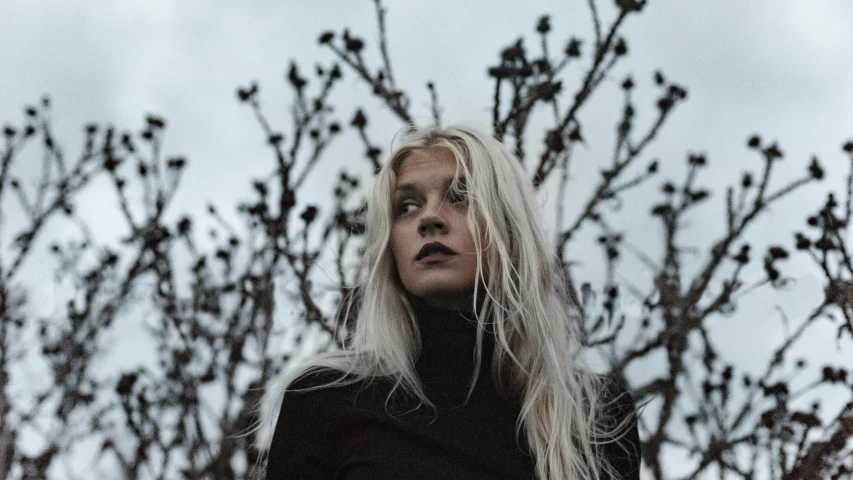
column 448, row 341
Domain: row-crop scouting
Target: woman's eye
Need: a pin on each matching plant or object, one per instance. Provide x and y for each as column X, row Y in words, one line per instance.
column 401, row 207
column 454, row 198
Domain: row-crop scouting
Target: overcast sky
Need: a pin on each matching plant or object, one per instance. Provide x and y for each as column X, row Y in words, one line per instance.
column 777, row 68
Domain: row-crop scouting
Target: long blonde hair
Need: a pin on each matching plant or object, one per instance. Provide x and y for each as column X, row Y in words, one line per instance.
column 538, row 355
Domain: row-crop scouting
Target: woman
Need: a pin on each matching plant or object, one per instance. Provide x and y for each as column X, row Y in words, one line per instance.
column 465, row 360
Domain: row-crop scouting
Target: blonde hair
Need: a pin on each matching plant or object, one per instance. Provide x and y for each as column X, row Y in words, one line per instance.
column 538, row 355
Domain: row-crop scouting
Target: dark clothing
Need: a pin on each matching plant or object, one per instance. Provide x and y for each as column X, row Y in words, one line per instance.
column 346, row 433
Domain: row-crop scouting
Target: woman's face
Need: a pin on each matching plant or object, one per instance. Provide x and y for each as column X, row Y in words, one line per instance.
column 423, row 211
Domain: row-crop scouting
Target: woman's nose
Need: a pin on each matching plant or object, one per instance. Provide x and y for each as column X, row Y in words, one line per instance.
column 432, row 218
column 430, row 223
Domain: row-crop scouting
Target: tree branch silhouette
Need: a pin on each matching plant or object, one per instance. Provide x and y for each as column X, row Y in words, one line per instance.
column 216, row 307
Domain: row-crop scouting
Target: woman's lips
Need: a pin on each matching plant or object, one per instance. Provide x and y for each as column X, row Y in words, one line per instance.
column 435, row 257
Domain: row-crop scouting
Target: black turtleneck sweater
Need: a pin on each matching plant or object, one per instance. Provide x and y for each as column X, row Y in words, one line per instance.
column 346, row 432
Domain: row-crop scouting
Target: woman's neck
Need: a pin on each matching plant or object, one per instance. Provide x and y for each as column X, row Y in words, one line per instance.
column 448, row 345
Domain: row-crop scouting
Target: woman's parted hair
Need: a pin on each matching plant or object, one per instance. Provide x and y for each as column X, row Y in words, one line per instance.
column 527, row 303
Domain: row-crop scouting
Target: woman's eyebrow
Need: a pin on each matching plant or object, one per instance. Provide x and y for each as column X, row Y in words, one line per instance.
column 413, row 187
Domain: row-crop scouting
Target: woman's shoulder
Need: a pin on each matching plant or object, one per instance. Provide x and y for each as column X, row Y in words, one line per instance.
column 320, row 382
column 620, row 416
column 324, row 383
column 616, row 399
column 312, row 396
column 310, row 407
column 315, row 377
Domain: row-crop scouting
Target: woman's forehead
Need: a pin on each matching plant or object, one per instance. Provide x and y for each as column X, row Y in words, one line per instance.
column 426, row 170
column 428, row 159
column 449, row 153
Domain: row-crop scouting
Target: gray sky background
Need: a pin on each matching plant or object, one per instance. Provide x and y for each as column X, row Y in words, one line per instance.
column 779, row 69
